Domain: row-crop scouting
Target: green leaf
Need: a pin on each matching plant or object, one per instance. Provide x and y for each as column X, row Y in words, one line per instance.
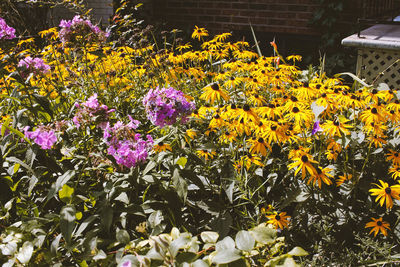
column 66, row 193
column 151, row 165
column 106, row 218
column 54, row 245
column 263, row 234
column 298, row 251
column 180, row 185
column 226, row 256
column 67, row 221
column 186, row 257
column 354, row 78
column 225, row 244
column 289, row 262
column 182, row 162
column 244, row 240
column 122, row 236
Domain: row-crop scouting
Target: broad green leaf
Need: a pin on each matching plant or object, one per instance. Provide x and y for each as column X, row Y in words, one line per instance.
column 186, row 257
column 122, row 236
column 151, row 165
column 263, row 234
column 226, row 256
column 182, row 162
column 209, row 237
column 67, row 221
column 106, row 217
column 54, row 245
column 200, row 263
column 244, row 240
column 289, row 262
column 298, row 251
column 180, row 185
column 66, row 193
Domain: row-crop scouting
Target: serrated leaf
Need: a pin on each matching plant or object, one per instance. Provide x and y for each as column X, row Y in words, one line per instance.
column 244, row 240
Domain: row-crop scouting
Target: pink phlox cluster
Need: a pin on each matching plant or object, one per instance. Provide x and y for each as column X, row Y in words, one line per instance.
column 166, row 106
column 127, row 147
column 34, row 65
column 70, row 29
column 91, row 111
column 6, row 32
column 44, row 136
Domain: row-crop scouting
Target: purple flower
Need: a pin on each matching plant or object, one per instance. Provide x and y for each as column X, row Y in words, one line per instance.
column 166, row 106
column 91, row 112
column 6, row 32
column 43, row 136
column 316, row 128
column 127, row 263
column 34, row 65
column 127, row 147
column 78, row 28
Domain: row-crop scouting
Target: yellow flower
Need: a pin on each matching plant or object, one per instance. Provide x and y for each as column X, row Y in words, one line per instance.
column 385, row 193
column 337, row 127
column 321, row 175
column 214, row 92
column 378, row 225
column 393, row 156
column 228, row 137
column 304, row 164
column 395, row 171
column 278, row 220
column 259, row 146
column 206, row 154
column 343, row 178
column 198, row 33
column 161, row 146
column 249, row 159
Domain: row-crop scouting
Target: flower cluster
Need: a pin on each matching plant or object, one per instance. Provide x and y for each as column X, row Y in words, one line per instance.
column 126, row 146
column 166, row 105
column 44, row 136
column 6, row 32
column 91, row 111
column 33, row 65
column 79, row 29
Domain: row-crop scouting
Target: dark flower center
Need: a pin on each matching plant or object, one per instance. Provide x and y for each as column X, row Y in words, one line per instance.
column 295, row 110
column 261, row 140
column 226, row 133
column 256, row 96
column 233, row 106
column 388, row 190
column 396, row 154
column 374, row 91
column 216, row 116
column 374, row 111
column 305, row 84
column 215, row 87
column 379, row 223
column 293, row 98
column 304, row 158
column 232, row 78
column 273, row 127
column 319, row 171
column 246, row 107
column 323, row 95
column 318, row 86
column 336, row 123
column 161, row 143
column 277, row 217
column 255, row 80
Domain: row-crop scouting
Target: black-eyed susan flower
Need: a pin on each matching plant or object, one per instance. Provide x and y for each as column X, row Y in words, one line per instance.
column 395, row 171
column 256, row 100
column 342, row 178
column 199, row 33
column 247, row 114
column 203, row 153
column 279, row 220
column 259, row 146
column 301, row 117
column 384, row 193
column 377, row 140
column 303, row 163
column 337, row 127
column 161, row 146
column 249, row 159
column 321, row 175
column 393, row 156
column 213, row 92
column 377, row 226
column 227, row 137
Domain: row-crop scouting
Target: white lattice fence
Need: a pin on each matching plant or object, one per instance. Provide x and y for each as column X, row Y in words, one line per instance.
column 381, row 66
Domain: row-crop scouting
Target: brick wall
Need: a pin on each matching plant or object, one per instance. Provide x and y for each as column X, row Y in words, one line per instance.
column 279, row 16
